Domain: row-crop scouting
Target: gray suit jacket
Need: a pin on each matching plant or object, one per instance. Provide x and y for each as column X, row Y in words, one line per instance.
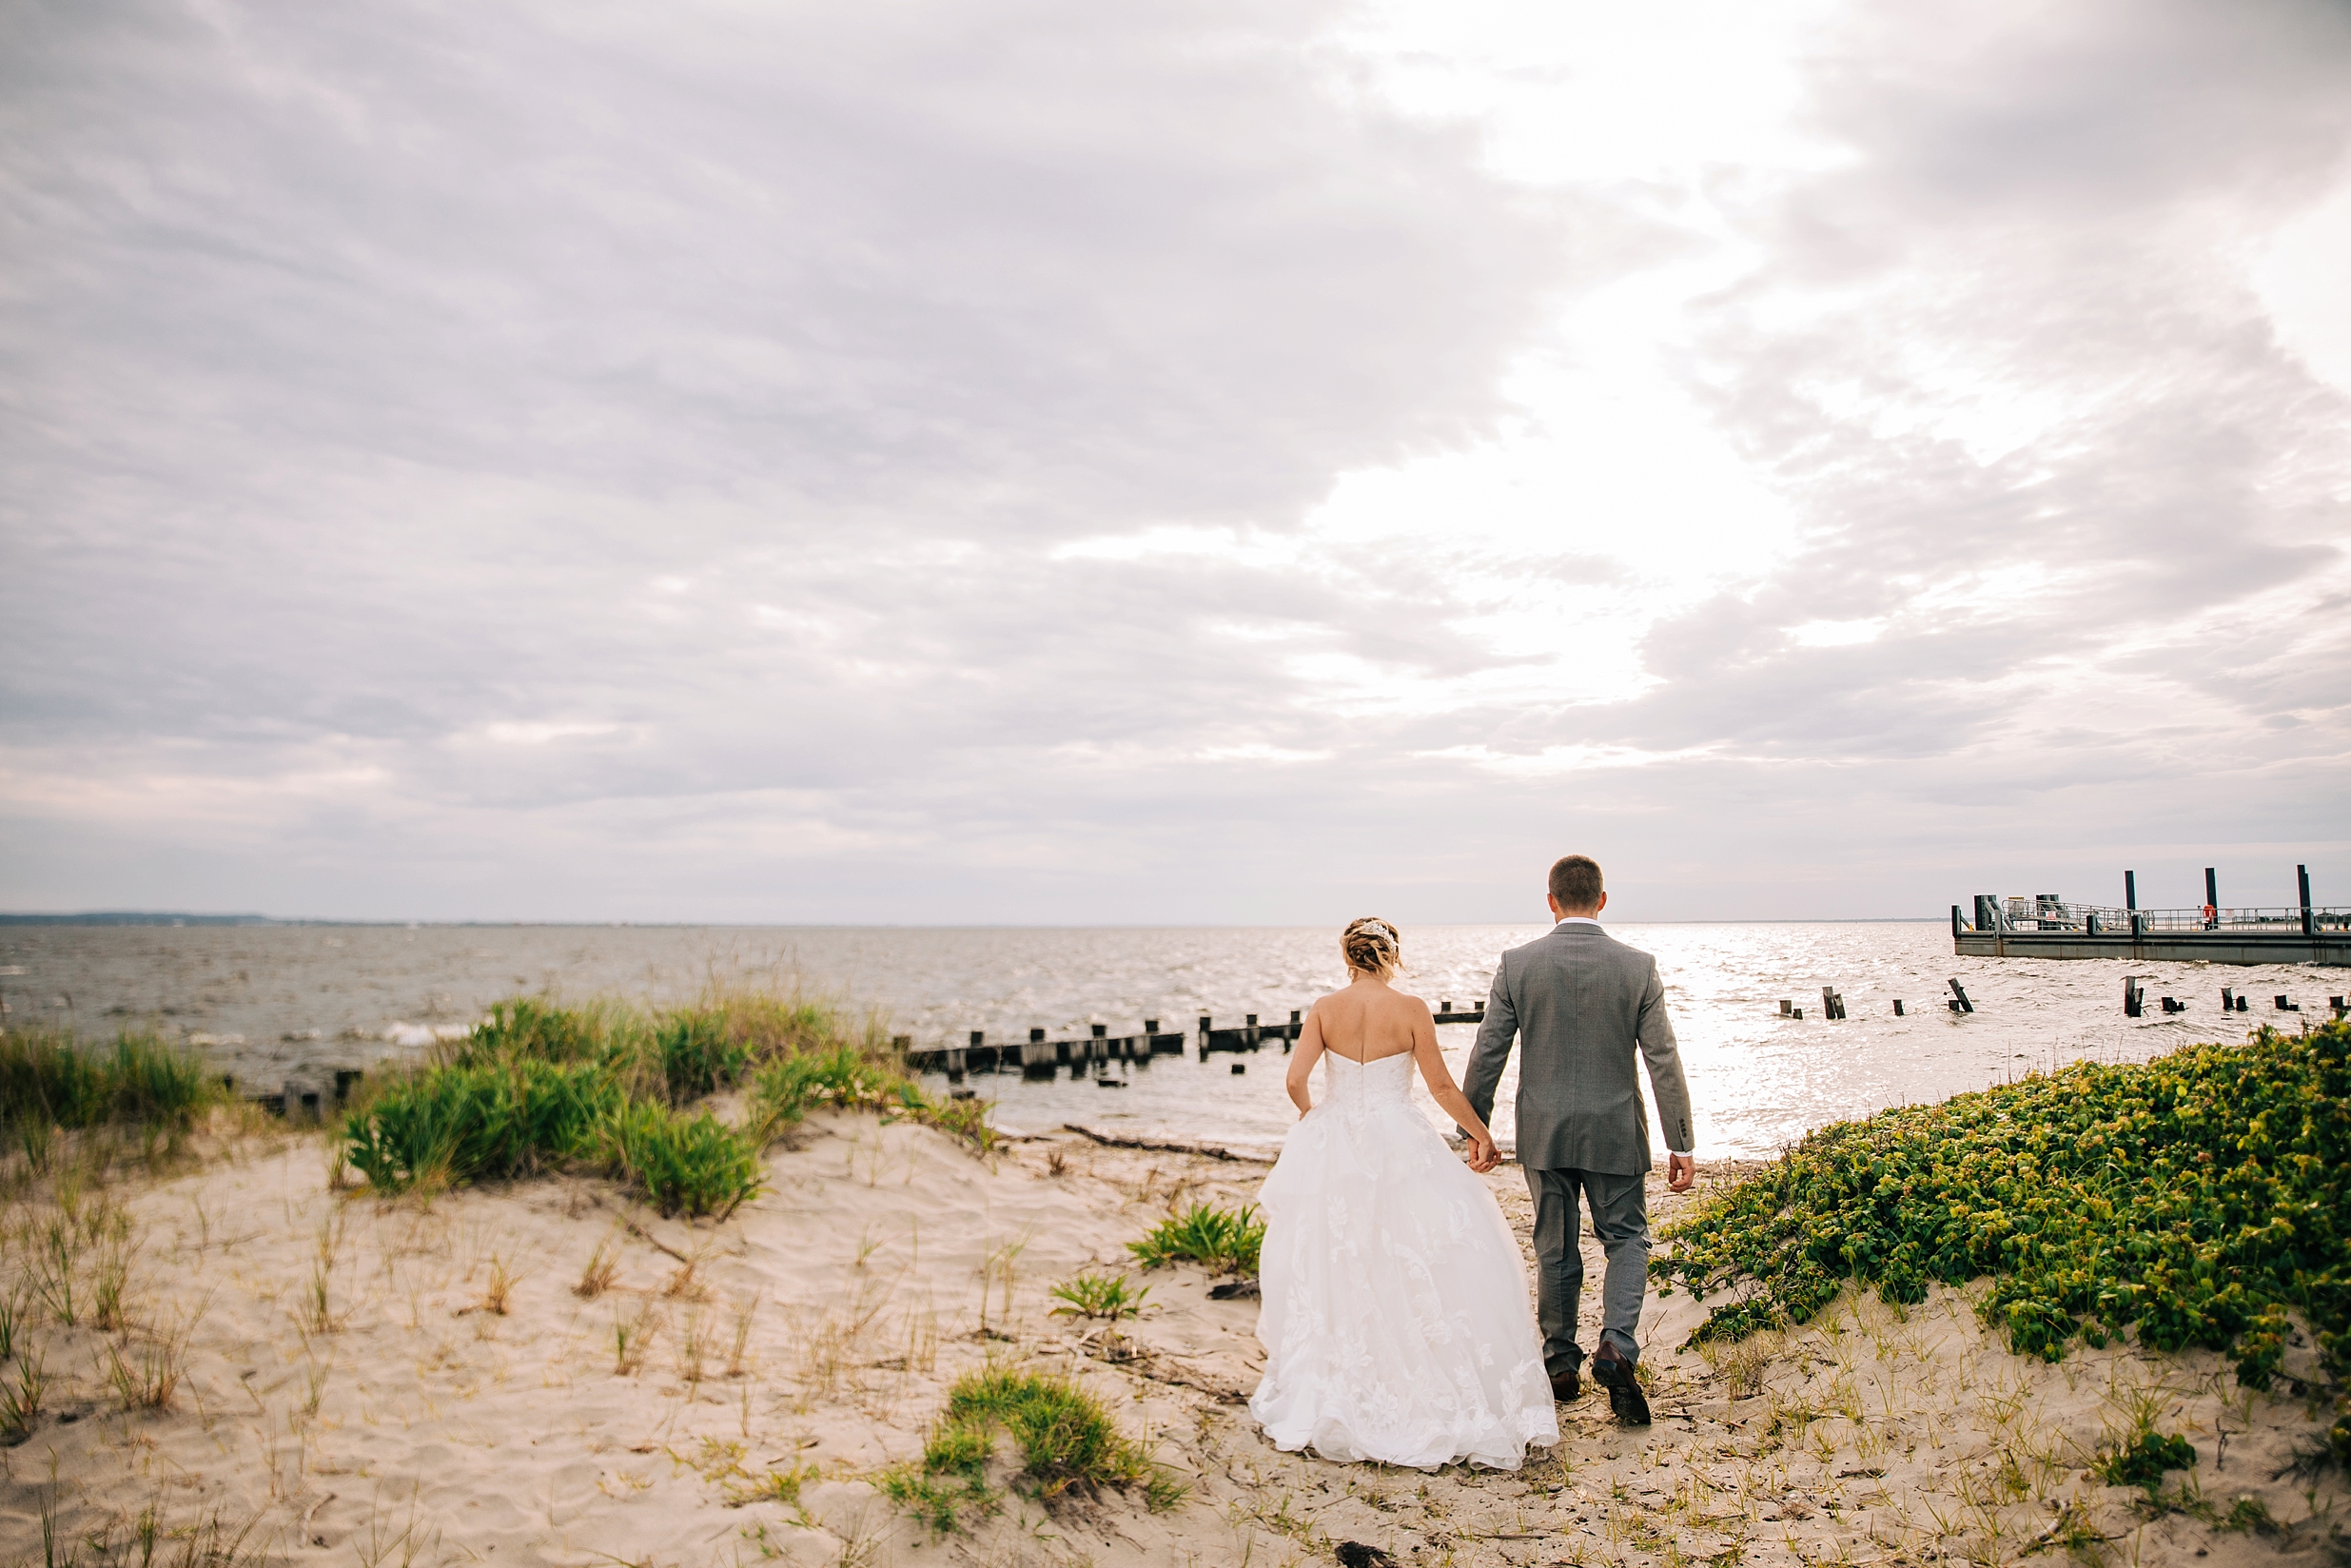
column 1583, row 1002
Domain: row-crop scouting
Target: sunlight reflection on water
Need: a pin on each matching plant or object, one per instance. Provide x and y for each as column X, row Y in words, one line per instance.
column 1756, row 1080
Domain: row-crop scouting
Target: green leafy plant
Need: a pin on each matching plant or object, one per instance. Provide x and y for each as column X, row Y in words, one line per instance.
column 691, row 1163
column 698, row 1054
column 467, row 1122
column 529, row 1028
column 1093, row 1295
column 964, row 1120
column 2199, row 1198
column 1064, row 1436
column 1225, row 1239
column 2145, row 1458
column 786, row 1089
column 49, row 1079
column 538, row 1085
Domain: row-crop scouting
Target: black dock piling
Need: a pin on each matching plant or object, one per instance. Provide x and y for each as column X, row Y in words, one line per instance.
column 2130, row 907
column 2212, row 900
column 2285, row 1006
column 2171, row 1006
column 1959, row 998
column 1787, row 1008
column 1898, row 1012
column 2244, row 1003
column 1832, row 1004
column 1957, row 924
column 2134, row 997
column 2228, row 999
column 2335, row 1003
column 1240, row 1067
column 2301, row 876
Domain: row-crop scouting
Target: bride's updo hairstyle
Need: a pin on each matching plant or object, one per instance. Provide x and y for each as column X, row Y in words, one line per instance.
column 1372, row 948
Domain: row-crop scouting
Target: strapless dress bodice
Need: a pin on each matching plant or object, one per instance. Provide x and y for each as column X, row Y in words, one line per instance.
column 1356, row 1086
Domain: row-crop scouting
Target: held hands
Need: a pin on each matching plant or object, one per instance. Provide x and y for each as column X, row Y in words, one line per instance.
column 1483, row 1155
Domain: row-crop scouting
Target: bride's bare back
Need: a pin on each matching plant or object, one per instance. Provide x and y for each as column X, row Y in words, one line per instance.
column 1370, row 1020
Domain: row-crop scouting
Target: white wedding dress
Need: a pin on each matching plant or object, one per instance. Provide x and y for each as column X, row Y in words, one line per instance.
column 1395, row 1313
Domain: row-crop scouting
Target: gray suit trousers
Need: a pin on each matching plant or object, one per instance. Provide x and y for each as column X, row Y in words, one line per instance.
column 1620, row 1220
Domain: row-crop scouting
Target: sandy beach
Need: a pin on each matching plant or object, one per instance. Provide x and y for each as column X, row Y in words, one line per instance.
column 542, row 1372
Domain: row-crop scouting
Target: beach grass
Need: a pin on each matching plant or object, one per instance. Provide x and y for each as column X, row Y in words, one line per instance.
column 609, row 1085
column 49, row 1078
column 2199, row 1198
column 1065, row 1435
column 1225, row 1241
column 1093, row 1294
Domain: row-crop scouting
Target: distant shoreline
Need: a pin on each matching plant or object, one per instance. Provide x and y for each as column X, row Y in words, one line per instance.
column 142, row 918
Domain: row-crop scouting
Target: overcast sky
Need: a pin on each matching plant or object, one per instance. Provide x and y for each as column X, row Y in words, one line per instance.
column 1040, row 461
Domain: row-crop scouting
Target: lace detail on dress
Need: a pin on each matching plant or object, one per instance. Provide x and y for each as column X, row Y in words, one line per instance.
column 1395, row 1316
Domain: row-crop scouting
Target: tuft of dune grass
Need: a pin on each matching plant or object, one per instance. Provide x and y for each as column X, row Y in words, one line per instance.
column 49, row 1076
column 1065, row 1435
column 611, row 1086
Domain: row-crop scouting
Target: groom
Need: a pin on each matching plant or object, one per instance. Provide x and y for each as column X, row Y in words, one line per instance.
column 1585, row 1004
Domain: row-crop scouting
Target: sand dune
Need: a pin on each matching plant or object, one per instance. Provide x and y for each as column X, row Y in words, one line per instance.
column 411, row 1382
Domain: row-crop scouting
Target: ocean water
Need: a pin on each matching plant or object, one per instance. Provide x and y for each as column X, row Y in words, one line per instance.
column 265, row 1001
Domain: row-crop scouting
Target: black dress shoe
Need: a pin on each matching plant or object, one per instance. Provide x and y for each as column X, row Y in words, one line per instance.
column 1624, row 1390
column 1566, row 1385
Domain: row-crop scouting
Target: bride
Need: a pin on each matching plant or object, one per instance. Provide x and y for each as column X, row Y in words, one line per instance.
column 1395, row 1315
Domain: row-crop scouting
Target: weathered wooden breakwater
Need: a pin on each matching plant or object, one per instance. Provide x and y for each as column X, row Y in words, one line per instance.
column 1099, row 1053
column 2048, row 925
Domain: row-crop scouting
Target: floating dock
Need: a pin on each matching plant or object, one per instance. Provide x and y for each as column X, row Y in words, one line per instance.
column 2048, row 925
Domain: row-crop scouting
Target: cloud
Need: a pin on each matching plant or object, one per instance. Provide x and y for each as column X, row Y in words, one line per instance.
column 1034, row 462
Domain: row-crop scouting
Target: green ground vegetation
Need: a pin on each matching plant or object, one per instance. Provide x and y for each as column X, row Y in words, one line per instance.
column 611, row 1086
column 1065, row 1436
column 1091, row 1294
column 1225, row 1239
column 49, row 1075
column 2199, row 1198
column 2144, row 1460
column 49, row 1080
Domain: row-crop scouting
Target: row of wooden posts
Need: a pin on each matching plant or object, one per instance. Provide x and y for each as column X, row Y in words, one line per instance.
column 1832, row 1003
column 2232, row 1000
column 1094, row 1055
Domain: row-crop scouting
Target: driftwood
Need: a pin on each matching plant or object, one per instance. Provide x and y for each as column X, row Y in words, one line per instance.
column 650, row 1238
column 1209, row 1150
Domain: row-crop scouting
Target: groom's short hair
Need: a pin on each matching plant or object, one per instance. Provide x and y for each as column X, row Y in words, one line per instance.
column 1575, row 881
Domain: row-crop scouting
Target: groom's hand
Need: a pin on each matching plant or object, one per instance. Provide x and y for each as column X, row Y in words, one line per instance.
column 1483, row 1155
column 1681, row 1171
